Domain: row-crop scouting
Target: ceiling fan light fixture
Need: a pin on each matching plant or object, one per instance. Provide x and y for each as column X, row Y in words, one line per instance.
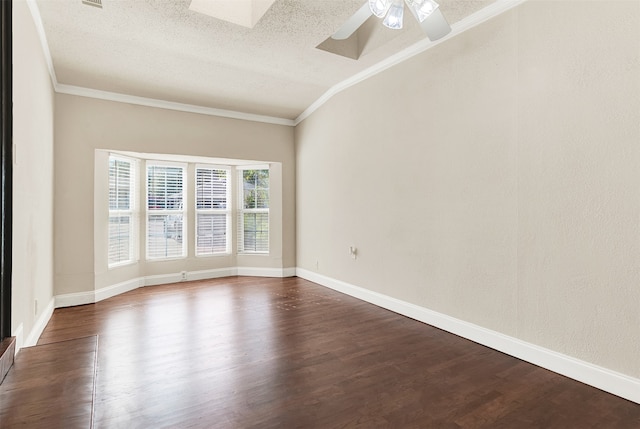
column 380, row 7
column 423, row 8
column 394, row 17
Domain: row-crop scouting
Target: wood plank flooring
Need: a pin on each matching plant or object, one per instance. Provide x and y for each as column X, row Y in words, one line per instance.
column 51, row 386
column 262, row 353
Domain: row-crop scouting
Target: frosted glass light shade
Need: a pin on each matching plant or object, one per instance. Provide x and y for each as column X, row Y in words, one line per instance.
column 380, row 7
column 423, row 8
column 394, row 18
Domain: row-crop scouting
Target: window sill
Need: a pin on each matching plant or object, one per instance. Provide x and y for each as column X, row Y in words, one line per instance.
column 177, row 258
column 214, row 255
column 122, row 264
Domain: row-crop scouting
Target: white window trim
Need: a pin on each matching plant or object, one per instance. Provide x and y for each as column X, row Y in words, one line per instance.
column 227, row 211
column 241, row 210
column 148, row 212
column 133, row 212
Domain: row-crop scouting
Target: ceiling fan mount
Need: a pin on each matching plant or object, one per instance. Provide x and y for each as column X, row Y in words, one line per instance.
column 426, row 12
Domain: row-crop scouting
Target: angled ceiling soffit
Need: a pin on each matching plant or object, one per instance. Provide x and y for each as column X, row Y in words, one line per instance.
column 370, row 36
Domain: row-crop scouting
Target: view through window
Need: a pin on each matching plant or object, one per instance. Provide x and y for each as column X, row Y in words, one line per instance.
column 253, row 213
column 165, row 211
column 122, row 219
column 221, row 196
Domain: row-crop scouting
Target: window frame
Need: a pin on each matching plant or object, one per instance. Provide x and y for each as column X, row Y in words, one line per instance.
column 133, row 211
column 166, row 212
column 227, row 211
column 241, row 210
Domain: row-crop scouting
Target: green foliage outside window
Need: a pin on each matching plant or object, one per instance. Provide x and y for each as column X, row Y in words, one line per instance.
column 256, row 189
column 255, row 219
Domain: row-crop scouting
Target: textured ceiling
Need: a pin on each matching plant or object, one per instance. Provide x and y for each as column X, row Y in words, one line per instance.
column 160, row 49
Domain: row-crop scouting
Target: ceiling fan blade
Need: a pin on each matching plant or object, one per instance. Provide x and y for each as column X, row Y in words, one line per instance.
column 353, row 23
column 436, row 26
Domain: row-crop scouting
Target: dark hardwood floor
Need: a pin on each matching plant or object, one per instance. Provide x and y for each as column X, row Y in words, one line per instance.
column 246, row 352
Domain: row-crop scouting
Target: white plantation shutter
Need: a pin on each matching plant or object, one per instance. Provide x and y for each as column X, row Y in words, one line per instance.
column 123, row 217
column 253, row 210
column 165, row 211
column 212, row 211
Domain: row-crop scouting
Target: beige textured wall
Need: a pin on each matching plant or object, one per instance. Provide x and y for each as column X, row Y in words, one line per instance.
column 84, row 125
column 33, row 174
column 494, row 178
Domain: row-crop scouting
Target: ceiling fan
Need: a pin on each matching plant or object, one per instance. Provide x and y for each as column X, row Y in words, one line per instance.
column 426, row 12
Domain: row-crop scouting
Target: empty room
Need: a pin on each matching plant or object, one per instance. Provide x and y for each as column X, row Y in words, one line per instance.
column 320, row 214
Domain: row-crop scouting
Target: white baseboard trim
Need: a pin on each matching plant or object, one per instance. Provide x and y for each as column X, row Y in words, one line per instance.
column 161, row 279
column 260, row 272
column 19, row 334
column 211, row 274
column 40, row 324
column 77, row 298
column 289, row 272
column 602, row 378
column 91, row 297
column 117, row 289
column 218, row 273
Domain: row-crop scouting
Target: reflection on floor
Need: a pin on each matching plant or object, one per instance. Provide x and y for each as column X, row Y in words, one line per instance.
column 51, row 386
column 246, row 352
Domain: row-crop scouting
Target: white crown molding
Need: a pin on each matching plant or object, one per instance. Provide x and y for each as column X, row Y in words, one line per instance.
column 37, row 20
column 132, row 99
column 169, row 105
column 493, row 10
column 602, row 378
column 473, row 20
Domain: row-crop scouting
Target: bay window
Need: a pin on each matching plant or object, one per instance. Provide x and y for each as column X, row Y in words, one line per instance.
column 213, row 212
column 228, row 204
column 253, row 210
column 123, row 217
column 165, row 211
